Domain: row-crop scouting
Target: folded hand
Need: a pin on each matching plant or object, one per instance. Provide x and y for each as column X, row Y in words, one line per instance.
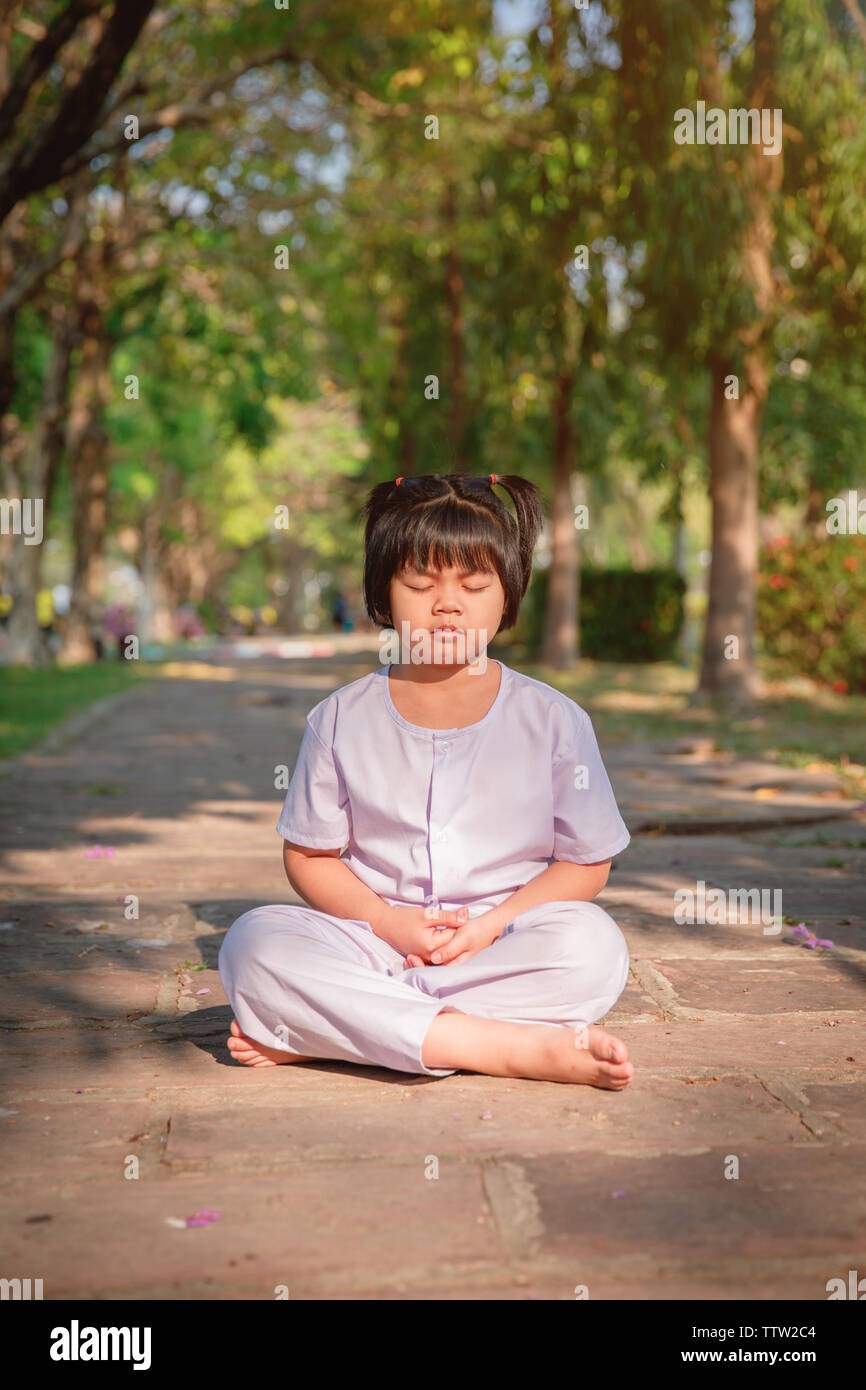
column 478, row 933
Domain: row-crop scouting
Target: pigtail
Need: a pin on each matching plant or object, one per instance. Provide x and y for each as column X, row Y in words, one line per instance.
column 526, row 497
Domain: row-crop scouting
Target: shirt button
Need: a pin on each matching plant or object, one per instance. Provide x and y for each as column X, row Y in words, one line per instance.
column 441, row 835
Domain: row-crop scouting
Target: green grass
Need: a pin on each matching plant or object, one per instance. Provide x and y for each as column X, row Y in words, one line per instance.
column 787, row 726
column 33, row 702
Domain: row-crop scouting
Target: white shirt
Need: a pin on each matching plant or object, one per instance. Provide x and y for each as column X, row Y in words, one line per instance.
column 466, row 815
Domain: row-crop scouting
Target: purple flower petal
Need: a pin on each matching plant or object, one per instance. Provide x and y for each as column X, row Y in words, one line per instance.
column 825, row 943
column 800, row 930
column 202, row 991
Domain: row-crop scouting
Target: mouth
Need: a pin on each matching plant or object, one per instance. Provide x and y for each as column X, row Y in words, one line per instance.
column 446, row 627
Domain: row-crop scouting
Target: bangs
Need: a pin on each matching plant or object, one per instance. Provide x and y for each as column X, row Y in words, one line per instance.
column 444, row 534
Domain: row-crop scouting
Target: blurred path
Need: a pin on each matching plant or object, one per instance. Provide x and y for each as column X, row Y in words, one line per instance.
column 745, row 1044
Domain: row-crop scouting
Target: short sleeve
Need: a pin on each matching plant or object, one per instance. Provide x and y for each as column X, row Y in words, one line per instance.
column 587, row 825
column 316, row 809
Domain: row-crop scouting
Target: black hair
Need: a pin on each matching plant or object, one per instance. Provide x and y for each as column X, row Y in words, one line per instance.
column 450, row 519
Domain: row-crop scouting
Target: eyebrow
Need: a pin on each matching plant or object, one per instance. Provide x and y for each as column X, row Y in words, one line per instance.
column 431, row 574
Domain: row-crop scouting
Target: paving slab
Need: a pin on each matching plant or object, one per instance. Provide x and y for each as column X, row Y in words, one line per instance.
column 676, row 1206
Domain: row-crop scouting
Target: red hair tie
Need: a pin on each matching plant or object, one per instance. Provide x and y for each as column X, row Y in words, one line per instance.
column 398, row 481
column 493, row 478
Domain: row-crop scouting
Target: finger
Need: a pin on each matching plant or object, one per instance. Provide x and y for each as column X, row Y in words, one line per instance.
column 452, row 917
column 456, row 960
column 441, row 936
column 452, row 949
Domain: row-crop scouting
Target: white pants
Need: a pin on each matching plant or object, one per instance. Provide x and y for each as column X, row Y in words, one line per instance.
column 304, row 981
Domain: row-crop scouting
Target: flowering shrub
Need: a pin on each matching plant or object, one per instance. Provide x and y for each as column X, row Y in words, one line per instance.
column 812, row 609
column 186, row 622
column 118, row 620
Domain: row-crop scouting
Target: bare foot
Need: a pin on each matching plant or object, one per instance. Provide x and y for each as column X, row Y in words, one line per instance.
column 255, row 1054
column 587, row 1055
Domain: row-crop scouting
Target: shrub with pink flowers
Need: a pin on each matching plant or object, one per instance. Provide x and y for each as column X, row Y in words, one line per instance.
column 118, row 620
column 812, row 609
column 187, row 622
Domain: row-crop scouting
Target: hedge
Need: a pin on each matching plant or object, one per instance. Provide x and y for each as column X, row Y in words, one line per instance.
column 624, row 615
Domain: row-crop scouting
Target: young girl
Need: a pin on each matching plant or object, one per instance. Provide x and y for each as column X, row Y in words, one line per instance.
column 447, row 823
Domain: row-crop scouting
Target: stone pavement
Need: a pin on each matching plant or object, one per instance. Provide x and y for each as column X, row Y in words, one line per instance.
column 750, row 1046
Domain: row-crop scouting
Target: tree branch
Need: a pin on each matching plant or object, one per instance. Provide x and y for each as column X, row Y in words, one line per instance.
column 40, row 58
column 37, row 164
column 858, row 17
column 68, row 244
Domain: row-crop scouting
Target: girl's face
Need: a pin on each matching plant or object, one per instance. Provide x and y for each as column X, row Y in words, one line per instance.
column 471, row 602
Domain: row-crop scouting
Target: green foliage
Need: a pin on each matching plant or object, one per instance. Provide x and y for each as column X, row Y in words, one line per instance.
column 453, row 258
column 812, row 609
column 625, row 615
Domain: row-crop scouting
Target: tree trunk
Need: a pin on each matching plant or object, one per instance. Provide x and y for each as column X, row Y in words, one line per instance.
column 27, row 642
column 158, row 599
column 12, row 242
column 728, row 656
column 561, row 639
column 454, row 295
column 155, row 616
column 88, row 444
column 402, row 387
column 728, row 664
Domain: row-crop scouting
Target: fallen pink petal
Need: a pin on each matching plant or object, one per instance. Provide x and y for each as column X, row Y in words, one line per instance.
column 828, row 945
column 202, row 991
column 203, row 1217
